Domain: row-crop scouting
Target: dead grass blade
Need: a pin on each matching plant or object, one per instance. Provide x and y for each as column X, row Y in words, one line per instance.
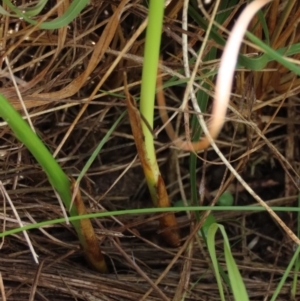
column 92, row 251
column 36, row 280
column 155, row 182
column 2, row 289
column 10, row 93
column 38, row 99
column 99, row 50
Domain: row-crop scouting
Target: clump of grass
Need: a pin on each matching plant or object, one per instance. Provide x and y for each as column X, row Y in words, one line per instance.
column 192, row 286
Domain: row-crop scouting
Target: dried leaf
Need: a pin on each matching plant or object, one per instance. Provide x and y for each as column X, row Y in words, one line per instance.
column 154, row 180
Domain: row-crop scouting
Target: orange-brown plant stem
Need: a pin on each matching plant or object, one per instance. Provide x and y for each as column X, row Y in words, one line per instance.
column 155, row 182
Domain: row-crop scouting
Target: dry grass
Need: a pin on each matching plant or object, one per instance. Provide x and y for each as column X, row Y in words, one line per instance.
column 57, row 72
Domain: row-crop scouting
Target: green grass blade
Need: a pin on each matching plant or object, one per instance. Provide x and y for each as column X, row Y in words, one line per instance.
column 145, row 211
column 4, row 12
column 55, row 174
column 28, row 12
column 296, row 276
column 297, row 264
column 72, row 12
column 57, row 178
column 263, row 22
column 237, row 285
column 149, row 73
column 24, row 133
column 257, row 63
column 212, row 252
column 286, row 274
column 277, row 55
column 35, row 10
column 236, row 281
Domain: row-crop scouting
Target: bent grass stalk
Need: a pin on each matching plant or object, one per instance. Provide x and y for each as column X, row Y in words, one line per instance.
column 58, row 180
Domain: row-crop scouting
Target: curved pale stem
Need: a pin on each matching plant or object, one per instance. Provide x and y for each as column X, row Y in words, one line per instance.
column 223, row 85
